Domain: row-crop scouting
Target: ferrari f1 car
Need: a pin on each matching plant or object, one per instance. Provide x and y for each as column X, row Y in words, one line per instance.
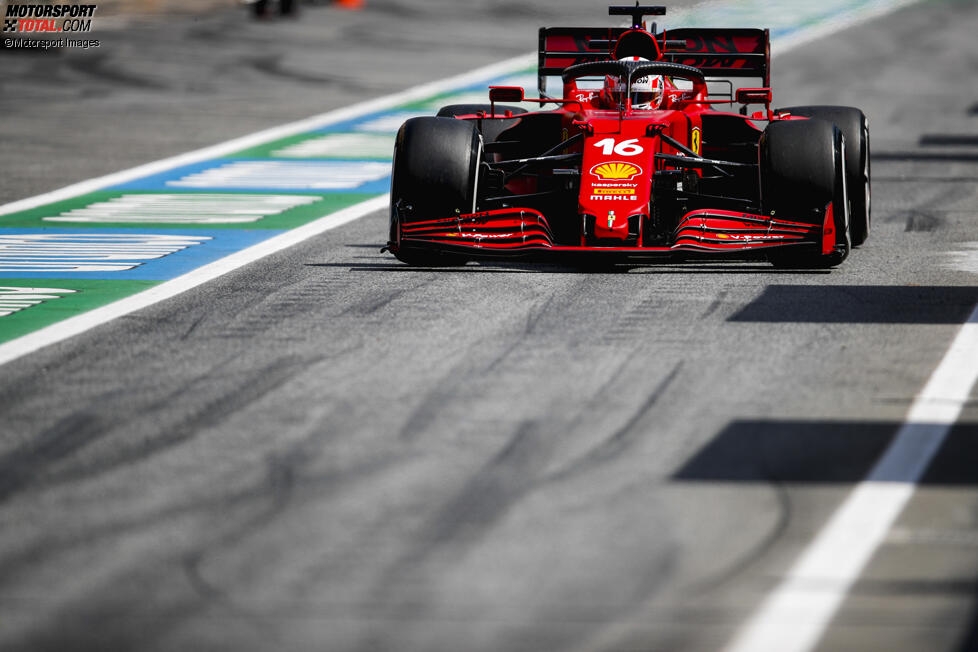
column 641, row 160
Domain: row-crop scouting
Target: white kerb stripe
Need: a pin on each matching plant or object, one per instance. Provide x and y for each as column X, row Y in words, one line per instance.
column 794, row 617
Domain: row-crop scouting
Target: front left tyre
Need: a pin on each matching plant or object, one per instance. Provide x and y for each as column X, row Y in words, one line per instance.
column 802, row 172
column 855, row 128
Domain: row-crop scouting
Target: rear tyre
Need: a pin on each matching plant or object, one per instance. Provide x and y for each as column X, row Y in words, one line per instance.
column 855, row 128
column 802, row 169
column 435, row 174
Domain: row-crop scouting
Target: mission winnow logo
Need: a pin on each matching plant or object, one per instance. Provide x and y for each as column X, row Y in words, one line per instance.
column 45, row 19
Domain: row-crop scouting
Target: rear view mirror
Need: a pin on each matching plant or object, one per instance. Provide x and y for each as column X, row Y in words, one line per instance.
column 754, row 96
column 505, row 94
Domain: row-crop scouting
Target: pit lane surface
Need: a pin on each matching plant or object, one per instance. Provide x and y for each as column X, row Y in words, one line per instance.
column 329, row 450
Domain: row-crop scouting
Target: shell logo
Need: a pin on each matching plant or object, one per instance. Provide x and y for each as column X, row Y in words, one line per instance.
column 616, row 171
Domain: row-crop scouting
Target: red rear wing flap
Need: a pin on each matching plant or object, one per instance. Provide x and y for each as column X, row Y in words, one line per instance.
column 721, row 52
column 561, row 47
column 717, row 51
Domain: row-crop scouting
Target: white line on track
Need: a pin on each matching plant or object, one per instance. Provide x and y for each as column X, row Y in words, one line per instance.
column 794, row 617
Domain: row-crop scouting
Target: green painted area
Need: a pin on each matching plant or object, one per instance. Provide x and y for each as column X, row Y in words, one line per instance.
column 87, row 295
column 289, row 219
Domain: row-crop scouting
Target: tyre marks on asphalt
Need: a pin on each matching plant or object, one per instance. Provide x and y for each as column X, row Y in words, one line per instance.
column 205, row 401
column 23, row 467
column 133, row 436
column 99, row 67
column 526, row 456
column 408, row 586
column 623, row 437
column 532, row 460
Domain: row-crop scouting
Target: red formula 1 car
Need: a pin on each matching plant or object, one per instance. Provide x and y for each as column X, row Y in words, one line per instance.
column 638, row 162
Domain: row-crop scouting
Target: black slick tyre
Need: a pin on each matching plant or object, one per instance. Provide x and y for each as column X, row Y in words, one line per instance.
column 802, row 170
column 855, row 128
column 435, row 175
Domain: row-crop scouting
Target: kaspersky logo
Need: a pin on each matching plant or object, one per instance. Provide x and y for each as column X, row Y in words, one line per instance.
column 616, row 171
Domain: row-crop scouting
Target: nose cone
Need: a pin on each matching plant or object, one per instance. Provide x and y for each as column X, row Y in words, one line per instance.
column 616, row 181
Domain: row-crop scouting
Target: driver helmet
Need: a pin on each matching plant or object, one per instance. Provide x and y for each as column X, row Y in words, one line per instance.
column 646, row 91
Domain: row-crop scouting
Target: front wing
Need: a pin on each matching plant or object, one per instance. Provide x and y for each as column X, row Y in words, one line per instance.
column 525, row 231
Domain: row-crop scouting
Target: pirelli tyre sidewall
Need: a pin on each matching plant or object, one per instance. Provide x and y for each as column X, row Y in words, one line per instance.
column 802, row 169
column 434, row 175
column 855, row 128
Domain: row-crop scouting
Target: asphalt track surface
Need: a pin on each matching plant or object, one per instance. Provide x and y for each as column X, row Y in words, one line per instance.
column 330, row 450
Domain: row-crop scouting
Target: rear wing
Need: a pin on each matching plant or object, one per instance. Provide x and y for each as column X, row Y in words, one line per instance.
column 719, row 52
